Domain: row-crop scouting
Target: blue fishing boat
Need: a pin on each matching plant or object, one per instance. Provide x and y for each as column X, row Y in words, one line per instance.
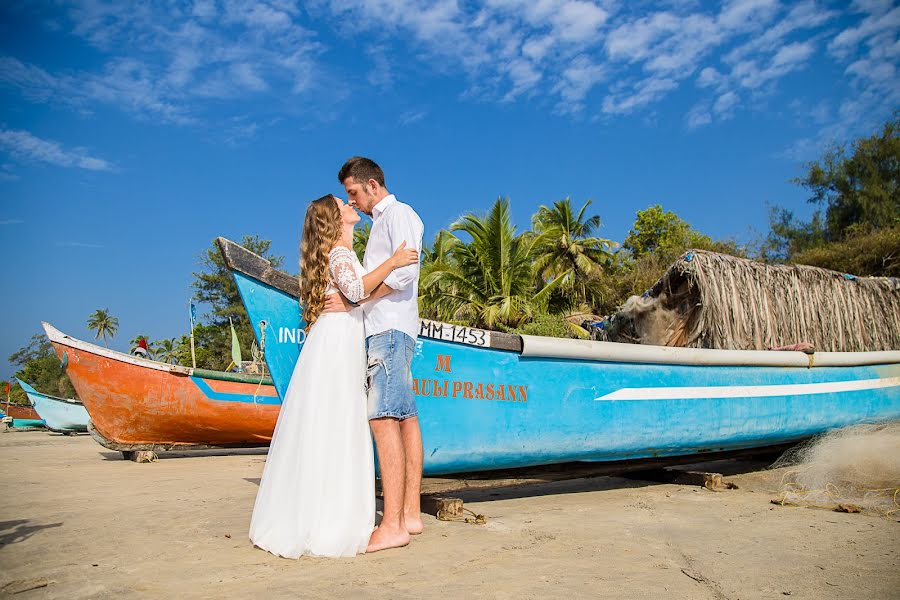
column 59, row 414
column 490, row 400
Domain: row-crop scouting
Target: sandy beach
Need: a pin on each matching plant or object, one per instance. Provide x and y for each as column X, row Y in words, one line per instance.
column 81, row 522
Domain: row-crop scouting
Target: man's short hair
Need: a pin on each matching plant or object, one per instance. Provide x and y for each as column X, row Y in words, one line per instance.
column 361, row 169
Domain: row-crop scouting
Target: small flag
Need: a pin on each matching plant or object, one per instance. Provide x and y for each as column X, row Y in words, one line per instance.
column 235, row 347
column 7, row 387
column 193, row 314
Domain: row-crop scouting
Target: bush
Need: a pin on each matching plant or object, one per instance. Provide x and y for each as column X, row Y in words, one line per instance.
column 875, row 253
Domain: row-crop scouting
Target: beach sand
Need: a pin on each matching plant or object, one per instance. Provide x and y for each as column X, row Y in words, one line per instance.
column 86, row 523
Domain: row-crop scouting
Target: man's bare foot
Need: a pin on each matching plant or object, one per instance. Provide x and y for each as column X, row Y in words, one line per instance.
column 414, row 524
column 382, row 539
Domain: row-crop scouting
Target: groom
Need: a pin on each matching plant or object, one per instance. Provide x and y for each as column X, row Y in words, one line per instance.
column 392, row 323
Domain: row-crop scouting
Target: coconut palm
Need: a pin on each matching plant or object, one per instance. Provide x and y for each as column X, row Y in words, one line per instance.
column 489, row 282
column 437, row 257
column 360, row 239
column 567, row 250
column 167, row 350
column 104, row 324
column 136, row 340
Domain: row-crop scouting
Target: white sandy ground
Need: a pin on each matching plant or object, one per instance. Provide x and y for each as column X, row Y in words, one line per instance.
column 95, row 526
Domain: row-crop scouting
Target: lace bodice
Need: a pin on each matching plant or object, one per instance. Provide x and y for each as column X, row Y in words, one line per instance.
column 346, row 274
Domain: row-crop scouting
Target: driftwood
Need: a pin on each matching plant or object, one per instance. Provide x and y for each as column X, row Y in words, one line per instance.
column 709, row 300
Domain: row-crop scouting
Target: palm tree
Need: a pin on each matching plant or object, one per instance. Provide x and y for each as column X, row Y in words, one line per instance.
column 104, row 324
column 437, row 257
column 360, row 239
column 136, row 339
column 167, row 350
column 489, row 281
column 567, row 250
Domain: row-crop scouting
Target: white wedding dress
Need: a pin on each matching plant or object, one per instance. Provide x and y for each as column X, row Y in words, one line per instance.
column 317, row 494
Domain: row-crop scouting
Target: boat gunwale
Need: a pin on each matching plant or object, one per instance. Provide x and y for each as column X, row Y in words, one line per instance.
column 57, row 336
column 71, row 401
column 239, row 259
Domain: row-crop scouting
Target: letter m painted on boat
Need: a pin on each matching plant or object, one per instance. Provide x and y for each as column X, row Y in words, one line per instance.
column 443, row 363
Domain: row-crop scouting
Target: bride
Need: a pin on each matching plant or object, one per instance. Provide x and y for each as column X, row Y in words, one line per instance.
column 317, row 494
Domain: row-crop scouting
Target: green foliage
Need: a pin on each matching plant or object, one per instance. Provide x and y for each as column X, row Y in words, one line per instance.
column 215, row 286
column 167, row 351
column 567, row 252
column 104, row 324
column 665, row 234
column 860, row 191
column 489, row 281
column 482, row 273
column 855, row 227
column 360, row 239
column 40, row 368
column 438, row 257
column 875, row 253
column 551, row 325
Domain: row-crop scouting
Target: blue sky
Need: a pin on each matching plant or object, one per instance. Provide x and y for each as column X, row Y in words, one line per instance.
column 131, row 134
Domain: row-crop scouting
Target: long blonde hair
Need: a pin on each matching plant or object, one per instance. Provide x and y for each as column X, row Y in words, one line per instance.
column 321, row 229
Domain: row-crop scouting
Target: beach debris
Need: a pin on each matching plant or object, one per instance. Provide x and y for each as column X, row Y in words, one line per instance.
column 442, row 507
column 139, row 456
column 847, row 508
column 713, row 482
column 24, row 585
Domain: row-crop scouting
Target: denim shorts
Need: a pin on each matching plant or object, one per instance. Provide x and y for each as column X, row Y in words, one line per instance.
column 389, row 382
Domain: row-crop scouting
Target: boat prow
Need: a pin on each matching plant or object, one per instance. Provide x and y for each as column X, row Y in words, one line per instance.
column 60, row 414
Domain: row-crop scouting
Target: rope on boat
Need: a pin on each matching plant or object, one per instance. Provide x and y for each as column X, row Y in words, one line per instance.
column 262, row 350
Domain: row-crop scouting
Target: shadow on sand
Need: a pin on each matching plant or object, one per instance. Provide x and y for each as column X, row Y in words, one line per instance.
column 12, row 532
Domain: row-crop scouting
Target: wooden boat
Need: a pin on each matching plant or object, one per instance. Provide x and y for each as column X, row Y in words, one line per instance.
column 60, row 414
column 136, row 404
column 490, row 400
column 23, row 417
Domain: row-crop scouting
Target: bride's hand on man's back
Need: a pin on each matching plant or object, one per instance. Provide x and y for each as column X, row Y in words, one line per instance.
column 404, row 257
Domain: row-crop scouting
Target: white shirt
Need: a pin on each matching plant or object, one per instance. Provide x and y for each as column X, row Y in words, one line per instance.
column 394, row 222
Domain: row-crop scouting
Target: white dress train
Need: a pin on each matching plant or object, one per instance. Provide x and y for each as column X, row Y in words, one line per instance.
column 317, row 494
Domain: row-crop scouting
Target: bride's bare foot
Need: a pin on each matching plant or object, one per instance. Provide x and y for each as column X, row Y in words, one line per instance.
column 382, row 539
column 414, row 524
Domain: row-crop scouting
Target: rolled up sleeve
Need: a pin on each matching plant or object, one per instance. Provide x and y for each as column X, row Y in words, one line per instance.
column 404, row 226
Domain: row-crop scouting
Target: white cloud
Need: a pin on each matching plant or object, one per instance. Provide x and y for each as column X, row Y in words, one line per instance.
column 25, row 146
column 846, row 42
column 643, row 93
column 412, row 116
column 747, row 14
column 577, row 80
column 788, row 59
column 244, row 75
column 165, row 62
column 725, row 103
column 698, row 117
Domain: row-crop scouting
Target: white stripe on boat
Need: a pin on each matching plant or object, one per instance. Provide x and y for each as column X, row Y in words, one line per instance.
column 749, row 391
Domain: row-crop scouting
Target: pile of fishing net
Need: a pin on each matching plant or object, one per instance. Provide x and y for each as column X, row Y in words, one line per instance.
column 851, row 469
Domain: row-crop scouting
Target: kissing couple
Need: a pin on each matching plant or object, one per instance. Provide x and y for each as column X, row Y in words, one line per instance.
column 317, row 493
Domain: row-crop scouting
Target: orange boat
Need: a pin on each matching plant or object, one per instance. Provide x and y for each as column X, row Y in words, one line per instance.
column 137, row 405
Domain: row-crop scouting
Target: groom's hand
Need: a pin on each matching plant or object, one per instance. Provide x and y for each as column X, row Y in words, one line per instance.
column 336, row 303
